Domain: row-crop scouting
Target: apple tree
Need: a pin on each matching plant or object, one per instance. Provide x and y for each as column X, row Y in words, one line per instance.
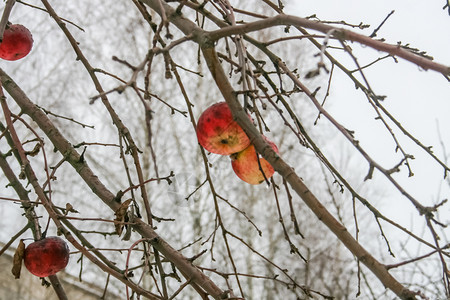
column 101, row 144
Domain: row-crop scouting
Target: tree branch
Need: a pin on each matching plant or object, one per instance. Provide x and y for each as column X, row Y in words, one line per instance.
column 294, row 180
column 191, row 272
column 339, row 33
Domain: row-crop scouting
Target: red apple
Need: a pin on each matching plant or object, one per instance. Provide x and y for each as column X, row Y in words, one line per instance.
column 47, row 256
column 17, row 42
column 218, row 133
column 245, row 164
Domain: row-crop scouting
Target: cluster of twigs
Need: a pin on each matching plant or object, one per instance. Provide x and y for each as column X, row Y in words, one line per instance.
column 258, row 87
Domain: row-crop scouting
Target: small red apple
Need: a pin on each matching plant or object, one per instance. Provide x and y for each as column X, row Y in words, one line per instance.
column 17, row 42
column 47, row 256
column 218, row 133
column 245, row 164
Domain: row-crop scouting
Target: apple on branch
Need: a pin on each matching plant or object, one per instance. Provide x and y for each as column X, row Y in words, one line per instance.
column 249, row 165
column 17, row 42
column 47, row 256
column 218, row 133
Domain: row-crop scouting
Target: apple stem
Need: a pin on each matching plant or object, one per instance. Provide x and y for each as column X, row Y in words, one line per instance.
column 5, row 17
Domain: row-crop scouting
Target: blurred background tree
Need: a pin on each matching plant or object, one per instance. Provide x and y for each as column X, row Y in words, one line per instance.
column 125, row 87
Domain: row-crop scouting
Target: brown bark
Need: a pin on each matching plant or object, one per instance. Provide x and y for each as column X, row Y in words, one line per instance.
column 297, row 184
column 98, row 188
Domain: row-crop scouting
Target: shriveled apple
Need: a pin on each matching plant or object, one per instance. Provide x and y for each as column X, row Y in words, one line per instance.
column 218, row 133
column 47, row 256
column 246, row 166
column 17, row 42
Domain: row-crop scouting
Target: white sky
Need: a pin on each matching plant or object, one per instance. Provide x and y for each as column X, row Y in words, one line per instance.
column 418, row 99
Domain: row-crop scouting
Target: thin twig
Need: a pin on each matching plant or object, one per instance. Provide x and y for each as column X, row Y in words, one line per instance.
column 5, row 17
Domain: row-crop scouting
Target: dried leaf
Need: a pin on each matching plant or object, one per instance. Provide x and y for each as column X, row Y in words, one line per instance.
column 313, row 73
column 122, row 210
column 35, row 150
column 119, row 228
column 127, row 235
column 22, row 175
column 120, row 215
column 69, row 208
column 17, row 261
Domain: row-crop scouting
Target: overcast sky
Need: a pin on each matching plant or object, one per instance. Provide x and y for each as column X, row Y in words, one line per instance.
column 419, row 100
